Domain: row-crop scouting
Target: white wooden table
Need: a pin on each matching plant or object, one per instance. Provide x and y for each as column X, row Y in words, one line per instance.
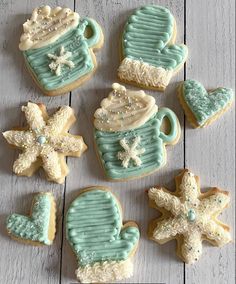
column 207, row 27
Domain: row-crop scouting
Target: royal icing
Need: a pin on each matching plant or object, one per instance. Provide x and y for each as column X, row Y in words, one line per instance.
column 36, row 227
column 192, row 216
column 204, row 105
column 130, row 152
column 45, row 142
column 119, row 125
column 124, row 110
column 46, row 26
column 94, row 230
column 150, row 57
column 61, row 50
column 59, row 60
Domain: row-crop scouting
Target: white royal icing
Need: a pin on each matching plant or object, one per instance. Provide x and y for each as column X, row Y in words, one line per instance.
column 59, row 60
column 144, row 74
column 105, row 272
column 124, row 110
column 46, row 26
column 130, row 152
column 192, row 216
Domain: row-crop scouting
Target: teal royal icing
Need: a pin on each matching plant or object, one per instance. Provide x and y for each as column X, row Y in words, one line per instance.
column 33, row 228
column 152, row 140
column 146, row 38
column 205, row 104
column 73, row 41
column 94, row 228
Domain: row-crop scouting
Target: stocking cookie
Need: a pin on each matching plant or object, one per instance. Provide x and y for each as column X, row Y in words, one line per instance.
column 103, row 245
column 202, row 107
column 45, row 142
column 129, row 133
column 189, row 216
column 58, row 48
column 39, row 227
column 149, row 56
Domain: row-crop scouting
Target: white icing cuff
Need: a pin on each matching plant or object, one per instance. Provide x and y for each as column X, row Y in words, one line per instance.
column 107, row 272
column 144, row 74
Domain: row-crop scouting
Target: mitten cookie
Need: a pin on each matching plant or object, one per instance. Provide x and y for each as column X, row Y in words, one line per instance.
column 129, row 133
column 202, row 107
column 189, row 216
column 45, row 142
column 103, row 245
column 149, row 56
column 58, row 48
column 39, row 227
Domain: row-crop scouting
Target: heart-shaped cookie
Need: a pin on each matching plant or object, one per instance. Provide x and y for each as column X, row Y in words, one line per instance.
column 202, row 107
column 102, row 244
column 39, row 228
column 149, row 56
column 58, row 48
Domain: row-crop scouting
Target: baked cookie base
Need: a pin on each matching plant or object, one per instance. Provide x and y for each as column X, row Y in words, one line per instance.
column 190, row 115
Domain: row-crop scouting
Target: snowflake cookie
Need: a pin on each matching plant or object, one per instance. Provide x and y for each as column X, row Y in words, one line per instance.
column 58, row 48
column 45, row 142
column 189, row 216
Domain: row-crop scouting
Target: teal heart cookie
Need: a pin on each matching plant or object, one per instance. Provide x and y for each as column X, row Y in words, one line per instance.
column 39, row 227
column 150, row 57
column 58, row 48
column 202, row 107
column 102, row 245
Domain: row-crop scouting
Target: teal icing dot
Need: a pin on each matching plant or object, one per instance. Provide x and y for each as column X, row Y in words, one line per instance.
column 41, row 139
column 191, row 215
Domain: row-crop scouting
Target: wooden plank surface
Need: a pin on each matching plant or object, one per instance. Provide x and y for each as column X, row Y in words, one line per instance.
column 209, row 32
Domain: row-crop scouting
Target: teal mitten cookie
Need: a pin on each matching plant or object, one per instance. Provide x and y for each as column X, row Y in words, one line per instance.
column 39, row 228
column 149, row 56
column 130, row 134
column 102, row 244
column 202, row 107
column 58, row 48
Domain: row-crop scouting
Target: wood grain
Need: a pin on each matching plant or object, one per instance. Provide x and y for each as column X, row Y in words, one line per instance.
column 210, row 35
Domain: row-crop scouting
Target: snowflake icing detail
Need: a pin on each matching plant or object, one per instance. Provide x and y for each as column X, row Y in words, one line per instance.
column 58, row 61
column 190, row 215
column 131, row 152
column 45, row 142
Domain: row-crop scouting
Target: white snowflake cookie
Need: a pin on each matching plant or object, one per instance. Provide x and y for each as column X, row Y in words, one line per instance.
column 189, row 216
column 45, row 142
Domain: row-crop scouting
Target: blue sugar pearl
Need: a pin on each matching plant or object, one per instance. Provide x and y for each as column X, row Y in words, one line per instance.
column 41, row 140
column 191, row 215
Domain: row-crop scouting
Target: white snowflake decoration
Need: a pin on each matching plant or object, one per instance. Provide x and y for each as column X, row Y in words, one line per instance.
column 45, row 142
column 191, row 217
column 58, row 61
column 131, row 152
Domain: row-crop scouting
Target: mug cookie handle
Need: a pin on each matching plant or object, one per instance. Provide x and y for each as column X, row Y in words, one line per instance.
column 96, row 32
column 173, row 134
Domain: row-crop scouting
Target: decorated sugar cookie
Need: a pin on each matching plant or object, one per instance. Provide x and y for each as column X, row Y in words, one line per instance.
column 189, row 216
column 58, row 48
column 103, row 245
column 39, row 227
column 202, row 107
column 130, row 133
column 149, row 54
column 45, row 142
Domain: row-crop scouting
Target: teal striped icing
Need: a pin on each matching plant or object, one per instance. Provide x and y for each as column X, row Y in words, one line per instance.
column 94, row 228
column 73, row 41
column 152, row 140
column 146, row 38
column 34, row 228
